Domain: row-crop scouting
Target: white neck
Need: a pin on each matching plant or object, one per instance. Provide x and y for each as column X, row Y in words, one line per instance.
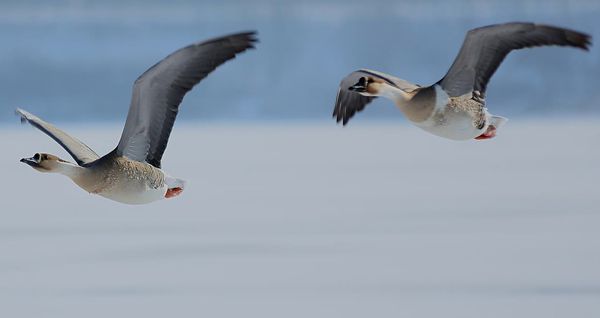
column 395, row 94
column 68, row 169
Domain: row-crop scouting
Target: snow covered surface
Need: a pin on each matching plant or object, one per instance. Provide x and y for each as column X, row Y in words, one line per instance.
column 314, row 220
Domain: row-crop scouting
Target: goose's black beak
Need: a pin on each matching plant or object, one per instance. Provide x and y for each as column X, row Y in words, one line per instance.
column 30, row 161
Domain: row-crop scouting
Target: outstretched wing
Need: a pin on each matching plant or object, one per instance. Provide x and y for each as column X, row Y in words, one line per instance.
column 348, row 103
column 158, row 92
column 484, row 49
column 77, row 149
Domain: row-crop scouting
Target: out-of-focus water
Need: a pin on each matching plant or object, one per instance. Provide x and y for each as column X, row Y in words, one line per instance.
column 77, row 60
column 314, row 220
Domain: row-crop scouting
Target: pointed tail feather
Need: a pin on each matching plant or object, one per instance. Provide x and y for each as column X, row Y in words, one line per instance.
column 498, row 121
column 174, row 182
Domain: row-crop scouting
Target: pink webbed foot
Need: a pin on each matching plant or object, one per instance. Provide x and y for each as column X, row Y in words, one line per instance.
column 489, row 133
column 173, row 192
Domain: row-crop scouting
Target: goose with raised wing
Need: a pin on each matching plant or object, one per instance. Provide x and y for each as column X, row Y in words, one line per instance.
column 454, row 107
column 132, row 173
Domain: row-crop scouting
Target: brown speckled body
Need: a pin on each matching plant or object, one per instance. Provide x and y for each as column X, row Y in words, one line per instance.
column 457, row 118
column 471, row 106
column 113, row 174
column 422, row 107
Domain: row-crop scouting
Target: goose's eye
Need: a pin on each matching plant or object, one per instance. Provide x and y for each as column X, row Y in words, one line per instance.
column 36, row 157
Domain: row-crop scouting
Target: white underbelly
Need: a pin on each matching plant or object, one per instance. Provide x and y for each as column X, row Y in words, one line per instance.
column 456, row 125
column 134, row 193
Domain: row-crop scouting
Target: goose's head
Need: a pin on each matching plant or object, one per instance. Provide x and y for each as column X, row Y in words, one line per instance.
column 44, row 162
column 368, row 86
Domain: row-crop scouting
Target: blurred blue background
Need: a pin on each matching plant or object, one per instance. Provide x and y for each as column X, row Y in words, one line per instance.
column 76, row 60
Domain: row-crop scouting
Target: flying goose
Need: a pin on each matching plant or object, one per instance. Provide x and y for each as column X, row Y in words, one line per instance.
column 132, row 173
column 454, row 107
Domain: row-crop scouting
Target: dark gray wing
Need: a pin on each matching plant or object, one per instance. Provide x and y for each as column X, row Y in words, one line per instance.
column 484, row 49
column 158, row 92
column 77, row 149
column 347, row 102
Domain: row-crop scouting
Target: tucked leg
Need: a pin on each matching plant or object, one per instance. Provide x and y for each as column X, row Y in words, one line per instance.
column 173, row 192
column 489, row 133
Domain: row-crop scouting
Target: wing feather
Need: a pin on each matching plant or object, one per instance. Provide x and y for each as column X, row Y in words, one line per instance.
column 77, row 149
column 485, row 48
column 158, row 92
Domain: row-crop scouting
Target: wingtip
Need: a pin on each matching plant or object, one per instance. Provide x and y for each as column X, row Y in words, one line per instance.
column 248, row 32
column 579, row 39
column 587, row 42
column 246, row 39
column 251, row 36
column 337, row 117
column 249, row 39
column 584, row 41
column 22, row 115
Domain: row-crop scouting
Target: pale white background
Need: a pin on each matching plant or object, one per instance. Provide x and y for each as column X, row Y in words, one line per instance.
column 314, row 220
